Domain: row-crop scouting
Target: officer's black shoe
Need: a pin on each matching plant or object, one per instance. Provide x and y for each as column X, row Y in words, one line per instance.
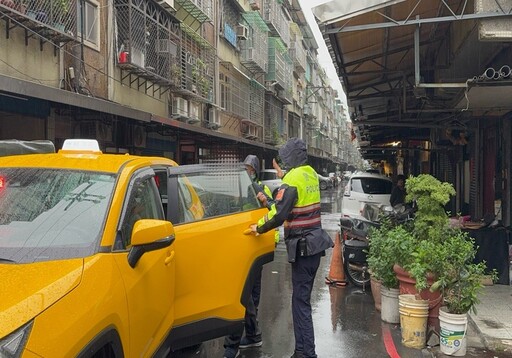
column 297, row 354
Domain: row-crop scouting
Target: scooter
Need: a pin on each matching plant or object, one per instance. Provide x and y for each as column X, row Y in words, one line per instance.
column 355, row 239
column 355, row 243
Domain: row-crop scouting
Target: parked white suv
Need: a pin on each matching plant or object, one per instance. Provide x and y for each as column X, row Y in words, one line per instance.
column 269, row 178
column 363, row 188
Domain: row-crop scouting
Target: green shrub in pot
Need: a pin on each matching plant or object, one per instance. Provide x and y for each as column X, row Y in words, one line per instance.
column 460, row 278
column 386, row 242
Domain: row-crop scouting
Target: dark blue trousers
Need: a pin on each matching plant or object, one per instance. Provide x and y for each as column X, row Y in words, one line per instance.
column 303, row 275
column 251, row 326
column 252, row 329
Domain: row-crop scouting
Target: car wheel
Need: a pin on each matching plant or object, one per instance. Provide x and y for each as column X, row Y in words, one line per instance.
column 323, row 185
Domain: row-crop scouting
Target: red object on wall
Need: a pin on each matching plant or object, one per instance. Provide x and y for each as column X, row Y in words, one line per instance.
column 123, row 57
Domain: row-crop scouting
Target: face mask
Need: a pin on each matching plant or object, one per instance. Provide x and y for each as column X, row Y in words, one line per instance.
column 252, row 176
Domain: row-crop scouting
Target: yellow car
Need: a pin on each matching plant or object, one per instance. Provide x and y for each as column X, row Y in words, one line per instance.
column 105, row 255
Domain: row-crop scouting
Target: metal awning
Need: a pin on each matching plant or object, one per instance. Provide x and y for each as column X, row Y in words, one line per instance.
column 410, row 66
column 23, row 88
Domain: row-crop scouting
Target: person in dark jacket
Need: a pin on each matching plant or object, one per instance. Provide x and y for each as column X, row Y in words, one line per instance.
column 398, row 192
column 297, row 206
column 252, row 330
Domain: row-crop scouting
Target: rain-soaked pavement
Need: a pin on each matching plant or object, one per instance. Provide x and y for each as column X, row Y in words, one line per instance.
column 345, row 320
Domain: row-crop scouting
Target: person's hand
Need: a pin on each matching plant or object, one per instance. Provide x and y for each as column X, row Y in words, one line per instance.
column 254, row 228
column 262, row 198
column 277, row 168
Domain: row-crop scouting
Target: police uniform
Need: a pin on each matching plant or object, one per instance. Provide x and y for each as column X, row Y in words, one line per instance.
column 297, row 206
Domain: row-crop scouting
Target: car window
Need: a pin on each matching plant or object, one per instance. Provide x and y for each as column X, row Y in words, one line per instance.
column 371, row 186
column 50, row 214
column 143, row 202
column 205, row 191
column 268, row 176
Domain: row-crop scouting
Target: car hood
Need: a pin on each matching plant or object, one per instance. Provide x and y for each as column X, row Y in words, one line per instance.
column 29, row 289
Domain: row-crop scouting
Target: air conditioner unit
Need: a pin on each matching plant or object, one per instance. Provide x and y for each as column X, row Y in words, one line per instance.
column 251, row 132
column 179, row 107
column 137, row 57
column 213, row 117
column 167, row 47
column 193, row 113
column 167, row 5
column 306, row 110
column 242, row 32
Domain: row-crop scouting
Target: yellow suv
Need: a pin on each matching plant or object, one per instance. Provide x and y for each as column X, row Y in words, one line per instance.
column 105, row 255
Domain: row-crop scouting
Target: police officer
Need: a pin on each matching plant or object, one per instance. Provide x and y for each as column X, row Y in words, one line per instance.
column 252, row 336
column 297, row 205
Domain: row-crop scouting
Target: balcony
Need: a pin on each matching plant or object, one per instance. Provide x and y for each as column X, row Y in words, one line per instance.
column 234, row 91
column 257, row 102
column 153, row 46
column 201, row 10
column 53, row 21
column 276, row 20
column 298, row 56
column 277, row 66
column 254, row 50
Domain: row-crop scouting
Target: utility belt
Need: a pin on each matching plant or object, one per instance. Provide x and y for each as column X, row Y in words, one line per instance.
column 302, row 247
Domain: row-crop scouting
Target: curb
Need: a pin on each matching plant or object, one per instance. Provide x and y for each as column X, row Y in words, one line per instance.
column 489, row 342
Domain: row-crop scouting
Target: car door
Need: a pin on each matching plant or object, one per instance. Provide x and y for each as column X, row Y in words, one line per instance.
column 210, row 207
column 150, row 284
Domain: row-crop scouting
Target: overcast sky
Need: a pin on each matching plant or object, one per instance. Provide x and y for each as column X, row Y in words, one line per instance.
column 324, row 58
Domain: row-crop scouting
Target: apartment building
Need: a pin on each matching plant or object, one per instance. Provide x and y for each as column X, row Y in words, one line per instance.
column 193, row 80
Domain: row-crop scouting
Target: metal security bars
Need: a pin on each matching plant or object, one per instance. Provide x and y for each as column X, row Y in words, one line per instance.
column 254, row 50
column 153, row 45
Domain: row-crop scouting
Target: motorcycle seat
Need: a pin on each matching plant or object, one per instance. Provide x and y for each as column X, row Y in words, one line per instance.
column 356, row 243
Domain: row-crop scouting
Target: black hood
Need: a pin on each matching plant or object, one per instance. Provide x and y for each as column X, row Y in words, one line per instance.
column 293, row 153
column 254, row 162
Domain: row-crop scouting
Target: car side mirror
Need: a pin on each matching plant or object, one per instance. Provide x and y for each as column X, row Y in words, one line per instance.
column 149, row 235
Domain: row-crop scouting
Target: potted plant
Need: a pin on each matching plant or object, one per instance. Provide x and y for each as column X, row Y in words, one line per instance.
column 460, row 281
column 418, row 257
column 383, row 243
column 380, row 260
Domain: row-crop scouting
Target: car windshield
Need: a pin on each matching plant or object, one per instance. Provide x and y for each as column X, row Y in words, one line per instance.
column 49, row 214
column 268, row 176
column 373, row 186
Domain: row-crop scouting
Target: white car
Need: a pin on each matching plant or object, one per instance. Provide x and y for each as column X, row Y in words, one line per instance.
column 363, row 188
column 269, row 178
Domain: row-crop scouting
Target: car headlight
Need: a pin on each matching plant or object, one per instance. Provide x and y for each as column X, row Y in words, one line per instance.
column 12, row 345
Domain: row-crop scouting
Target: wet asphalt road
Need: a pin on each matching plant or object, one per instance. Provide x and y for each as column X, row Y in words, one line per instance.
column 345, row 320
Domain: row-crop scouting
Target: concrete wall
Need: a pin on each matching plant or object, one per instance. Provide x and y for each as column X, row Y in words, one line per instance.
column 28, row 62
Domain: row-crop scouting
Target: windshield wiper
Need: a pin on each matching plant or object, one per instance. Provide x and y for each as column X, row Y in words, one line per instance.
column 83, row 196
column 6, row 260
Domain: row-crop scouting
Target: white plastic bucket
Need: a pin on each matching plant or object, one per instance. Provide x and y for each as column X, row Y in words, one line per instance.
column 413, row 320
column 452, row 335
column 389, row 305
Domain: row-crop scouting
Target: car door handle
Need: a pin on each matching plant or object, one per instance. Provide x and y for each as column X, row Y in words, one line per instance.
column 169, row 258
